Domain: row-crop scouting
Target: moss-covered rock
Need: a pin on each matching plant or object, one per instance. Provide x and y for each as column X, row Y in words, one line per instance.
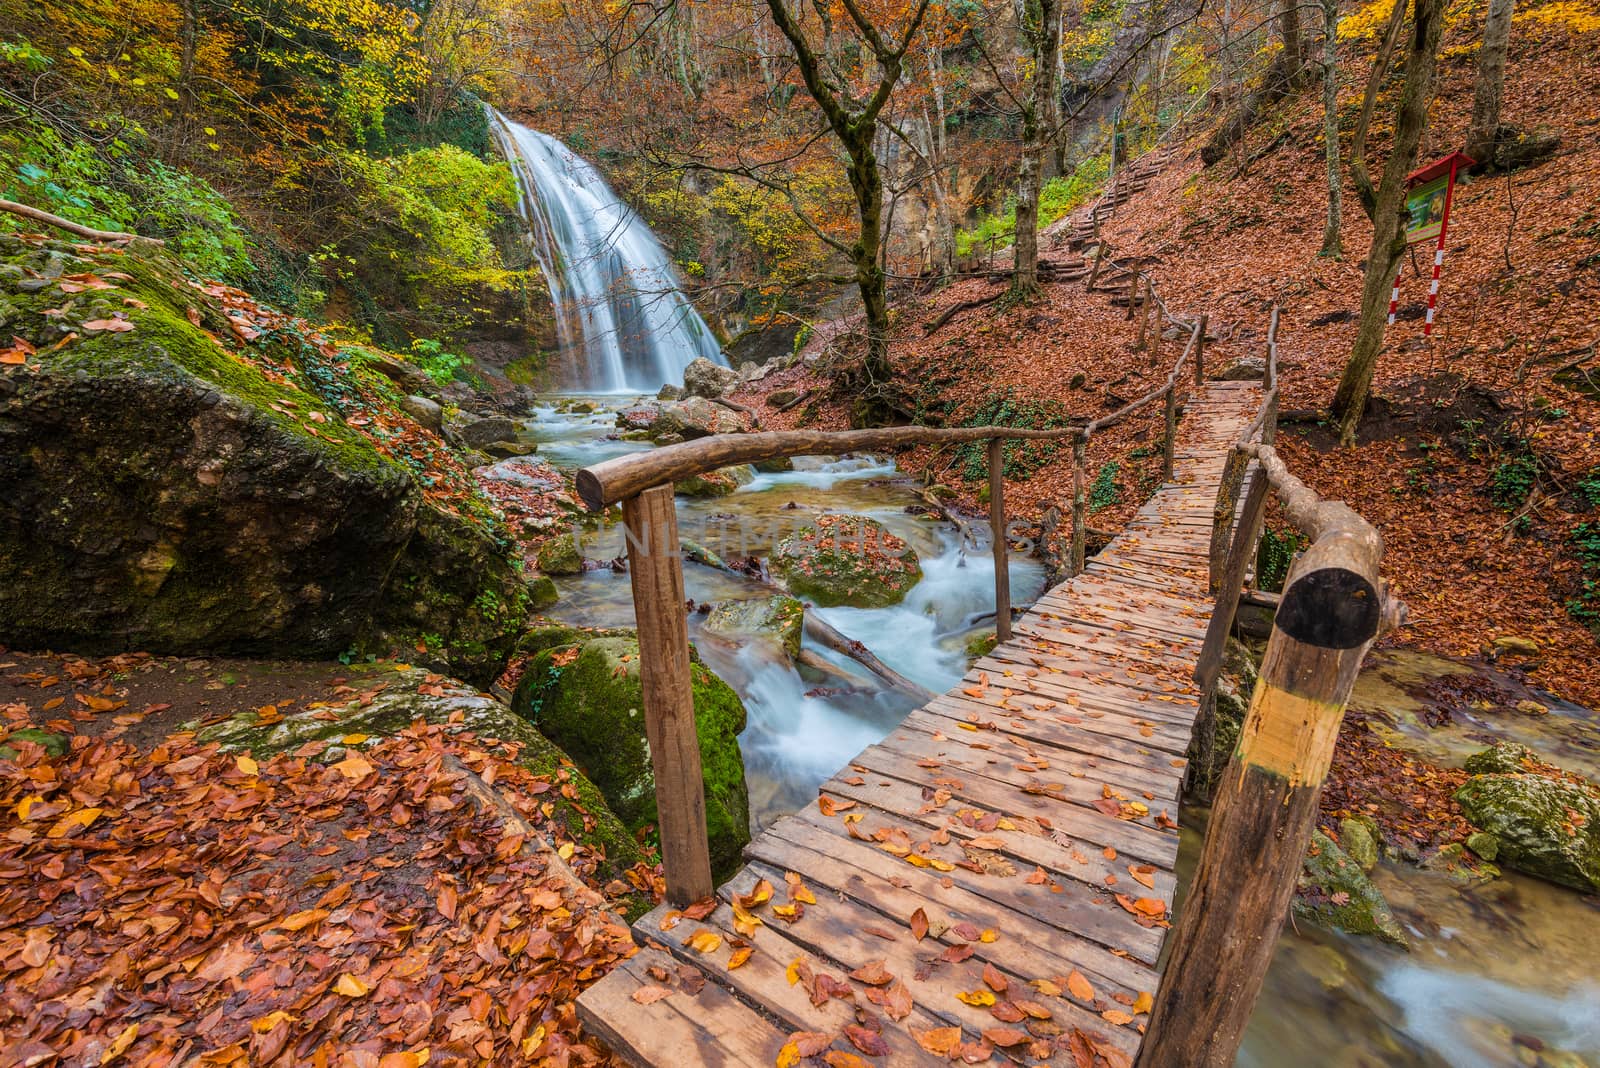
column 542, row 593
column 778, row 618
column 1358, row 837
column 718, row 483
column 1505, row 758
column 560, row 555
column 1544, row 826
column 585, row 696
column 582, row 809
column 847, row 560
column 980, row 645
column 1334, row 892
column 161, row 491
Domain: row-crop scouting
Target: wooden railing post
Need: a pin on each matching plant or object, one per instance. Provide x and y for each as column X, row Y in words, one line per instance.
column 1144, row 313
column 1267, row 802
column 1222, row 513
column 1232, row 583
column 997, row 535
column 1133, row 293
column 1094, row 269
column 1169, row 446
column 1200, row 353
column 656, row 573
column 1080, row 506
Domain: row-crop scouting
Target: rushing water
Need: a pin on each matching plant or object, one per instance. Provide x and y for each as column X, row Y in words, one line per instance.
column 623, row 323
column 1501, row 973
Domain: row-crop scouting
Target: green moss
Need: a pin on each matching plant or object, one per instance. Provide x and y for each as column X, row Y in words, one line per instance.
column 1545, row 826
column 54, row 744
column 560, row 555
column 586, row 698
column 981, row 644
column 777, row 617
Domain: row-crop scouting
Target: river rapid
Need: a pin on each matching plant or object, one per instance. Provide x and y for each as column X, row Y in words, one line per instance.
column 1505, row 972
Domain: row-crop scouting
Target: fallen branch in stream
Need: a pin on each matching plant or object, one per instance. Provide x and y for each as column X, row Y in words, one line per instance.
column 826, row 634
column 35, row 215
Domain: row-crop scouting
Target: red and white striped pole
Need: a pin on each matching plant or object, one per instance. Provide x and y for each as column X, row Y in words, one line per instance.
column 1394, row 296
column 1438, row 258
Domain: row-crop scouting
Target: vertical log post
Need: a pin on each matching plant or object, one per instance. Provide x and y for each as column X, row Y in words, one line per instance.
column 1094, row 269
column 1240, row 552
column 1080, row 506
column 1223, row 511
column 1200, row 352
column 1170, row 445
column 997, row 535
column 1267, row 801
column 656, row 572
column 1144, row 313
column 1133, row 294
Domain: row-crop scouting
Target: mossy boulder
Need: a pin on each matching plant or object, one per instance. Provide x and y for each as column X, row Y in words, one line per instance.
column 981, row 644
column 585, row 697
column 1359, row 838
column 1334, row 892
column 56, row 745
column 847, row 560
column 718, row 483
column 777, row 618
column 1505, row 758
column 161, row 491
column 399, row 703
column 1542, row 825
column 560, row 555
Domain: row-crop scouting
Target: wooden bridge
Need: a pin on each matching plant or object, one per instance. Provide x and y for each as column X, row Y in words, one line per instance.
column 994, row 880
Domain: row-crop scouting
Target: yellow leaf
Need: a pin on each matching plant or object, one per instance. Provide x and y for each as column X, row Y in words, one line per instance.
column 980, row 998
column 803, row 894
column 210, row 132
column 26, row 805
column 297, row 920
column 788, row 1056
column 172, row 94
column 705, row 941
column 353, row 739
column 1117, row 1016
column 353, row 768
column 739, row 956
column 531, row 1044
column 120, row 1044
column 351, row 987
column 792, row 973
column 989, row 935
column 1143, row 1002
column 1079, row 986
column 245, row 765
column 262, row 1024
column 81, row 818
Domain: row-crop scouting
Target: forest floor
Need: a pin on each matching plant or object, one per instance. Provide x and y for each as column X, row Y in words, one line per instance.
column 201, row 906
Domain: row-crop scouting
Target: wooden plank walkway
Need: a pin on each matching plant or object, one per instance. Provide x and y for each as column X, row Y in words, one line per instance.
column 997, row 873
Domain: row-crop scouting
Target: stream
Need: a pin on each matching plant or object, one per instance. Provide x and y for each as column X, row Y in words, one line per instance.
column 1499, row 973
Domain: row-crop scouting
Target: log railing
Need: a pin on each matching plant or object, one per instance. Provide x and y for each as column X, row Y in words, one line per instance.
column 643, row 484
column 1332, row 609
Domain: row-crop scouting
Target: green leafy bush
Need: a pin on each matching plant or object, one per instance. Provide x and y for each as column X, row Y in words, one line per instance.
column 1512, row 481
column 1103, row 491
column 1022, row 458
column 439, row 365
column 1584, row 605
column 1057, row 197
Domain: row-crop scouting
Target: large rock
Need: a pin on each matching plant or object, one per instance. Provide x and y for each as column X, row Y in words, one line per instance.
column 638, row 417
column 524, row 472
column 425, row 411
column 1245, row 368
column 397, row 699
column 1544, row 826
column 159, row 492
column 694, row 417
column 476, row 432
column 1504, row 758
column 585, row 697
column 847, row 560
column 702, row 378
column 560, row 555
column 718, row 483
column 776, row 618
column 1334, row 892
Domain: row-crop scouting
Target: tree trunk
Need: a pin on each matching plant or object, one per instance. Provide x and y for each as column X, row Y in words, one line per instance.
column 1292, row 60
column 1369, row 99
column 1388, row 233
column 1041, row 33
column 1332, row 243
column 1491, row 81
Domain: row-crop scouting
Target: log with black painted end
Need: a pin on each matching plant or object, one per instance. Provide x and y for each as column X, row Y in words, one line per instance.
column 1332, row 611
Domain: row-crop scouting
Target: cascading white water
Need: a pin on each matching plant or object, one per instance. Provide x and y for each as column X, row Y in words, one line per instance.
column 621, row 318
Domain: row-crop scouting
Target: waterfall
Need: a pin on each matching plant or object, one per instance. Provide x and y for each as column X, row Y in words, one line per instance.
column 622, row 321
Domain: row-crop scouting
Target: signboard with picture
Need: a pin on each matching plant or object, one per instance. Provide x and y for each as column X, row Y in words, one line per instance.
column 1425, row 209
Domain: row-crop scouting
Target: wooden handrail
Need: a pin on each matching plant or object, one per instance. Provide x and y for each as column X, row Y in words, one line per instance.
column 1333, row 608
